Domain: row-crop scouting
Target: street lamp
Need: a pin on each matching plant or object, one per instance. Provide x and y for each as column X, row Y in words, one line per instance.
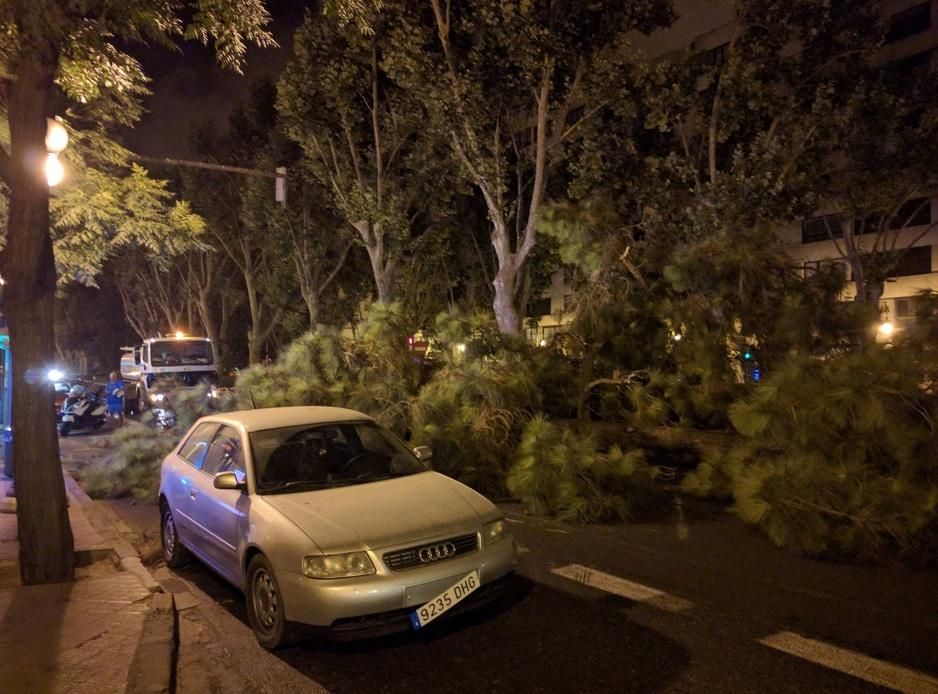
column 56, row 141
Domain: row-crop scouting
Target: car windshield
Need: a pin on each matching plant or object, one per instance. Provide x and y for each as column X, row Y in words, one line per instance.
column 321, row 456
column 181, row 353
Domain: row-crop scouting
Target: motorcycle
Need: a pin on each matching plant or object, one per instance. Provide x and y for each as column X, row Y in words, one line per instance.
column 82, row 409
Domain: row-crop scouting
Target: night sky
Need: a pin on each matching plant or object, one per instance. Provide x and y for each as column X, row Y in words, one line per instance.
column 190, row 89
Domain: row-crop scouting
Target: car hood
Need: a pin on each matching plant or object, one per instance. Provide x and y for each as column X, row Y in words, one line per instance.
column 389, row 512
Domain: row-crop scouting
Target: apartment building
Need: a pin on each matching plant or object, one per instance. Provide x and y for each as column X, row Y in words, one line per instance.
column 707, row 26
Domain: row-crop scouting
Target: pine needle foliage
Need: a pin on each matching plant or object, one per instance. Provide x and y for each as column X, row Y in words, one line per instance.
column 839, row 456
column 374, row 372
column 558, row 472
column 472, row 413
column 133, row 469
column 190, row 404
column 690, row 400
column 314, row 370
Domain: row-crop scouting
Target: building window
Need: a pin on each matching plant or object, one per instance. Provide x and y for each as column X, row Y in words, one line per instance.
column 539, row 307
column 905, row 308
column 822, row 228
column 915, row 261
column 551, row 331
column 909, row 22
column 812, row 267
column 904, row 67
column 913, row 213
column 716, row 56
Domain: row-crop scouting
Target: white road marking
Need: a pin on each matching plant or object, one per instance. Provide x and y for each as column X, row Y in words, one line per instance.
column 620, row 586
column 856, row 664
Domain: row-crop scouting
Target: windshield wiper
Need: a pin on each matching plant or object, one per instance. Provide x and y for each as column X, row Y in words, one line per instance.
column 293, row 484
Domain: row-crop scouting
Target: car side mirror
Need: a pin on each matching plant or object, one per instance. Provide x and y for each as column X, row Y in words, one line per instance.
column 423, row 453
column 228, row 480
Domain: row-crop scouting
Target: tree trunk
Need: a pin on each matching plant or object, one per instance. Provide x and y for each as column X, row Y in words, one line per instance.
column 586, row 378
column 28, row 266
column 381, row 269
column 506, row 313
column 313, row 307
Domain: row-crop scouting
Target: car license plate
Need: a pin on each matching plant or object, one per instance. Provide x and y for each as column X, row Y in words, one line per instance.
column 68, row 418
column 446, row 600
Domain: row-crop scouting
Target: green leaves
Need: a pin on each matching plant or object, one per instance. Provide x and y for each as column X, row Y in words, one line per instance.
column 100, row 213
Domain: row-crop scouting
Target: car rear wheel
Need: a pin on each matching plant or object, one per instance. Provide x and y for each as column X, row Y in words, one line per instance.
column 64, row 428
column 174, row 554
column 265, row 605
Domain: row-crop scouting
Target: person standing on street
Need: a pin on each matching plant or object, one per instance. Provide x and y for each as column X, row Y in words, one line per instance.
column 115, row 398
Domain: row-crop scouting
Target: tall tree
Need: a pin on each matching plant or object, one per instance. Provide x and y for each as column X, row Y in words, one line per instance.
column 314, row 238
column 504, row 82
column 53, row 52
column 363, row 137
column 879, row 194
column 236, row 210
column 706, row 154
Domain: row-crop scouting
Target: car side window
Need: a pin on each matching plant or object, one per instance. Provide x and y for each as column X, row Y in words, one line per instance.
column 225, row 454
column 196, row 446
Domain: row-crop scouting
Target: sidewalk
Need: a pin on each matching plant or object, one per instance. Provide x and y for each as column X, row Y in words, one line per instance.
column 81, row 636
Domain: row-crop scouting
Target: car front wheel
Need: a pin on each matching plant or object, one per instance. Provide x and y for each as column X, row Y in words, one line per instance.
column 265, row 605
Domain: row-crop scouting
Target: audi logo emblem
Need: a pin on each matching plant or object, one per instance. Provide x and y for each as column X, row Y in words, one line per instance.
column 433, row 553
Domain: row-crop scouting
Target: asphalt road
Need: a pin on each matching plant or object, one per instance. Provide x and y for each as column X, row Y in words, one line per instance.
column 711, row 607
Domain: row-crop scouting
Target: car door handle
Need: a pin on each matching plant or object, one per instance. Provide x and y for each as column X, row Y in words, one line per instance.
column 192, row 494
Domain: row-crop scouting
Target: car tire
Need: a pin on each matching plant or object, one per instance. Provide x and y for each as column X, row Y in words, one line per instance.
column 265, row 605
column 65, row 428
column 174, row 554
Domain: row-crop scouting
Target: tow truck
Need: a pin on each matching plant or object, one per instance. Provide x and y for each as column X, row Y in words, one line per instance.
column 152, row 370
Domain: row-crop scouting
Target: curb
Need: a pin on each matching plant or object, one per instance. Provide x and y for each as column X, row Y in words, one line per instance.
column 153, row 669
column 120, row 551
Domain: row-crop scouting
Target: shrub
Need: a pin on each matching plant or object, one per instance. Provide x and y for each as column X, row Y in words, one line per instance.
column 133, row 469
column 840, row 456
column 558, row 472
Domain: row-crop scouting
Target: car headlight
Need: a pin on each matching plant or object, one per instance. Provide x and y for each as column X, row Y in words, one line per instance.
column 157, row 397
column 338, row 565
column 493, row 532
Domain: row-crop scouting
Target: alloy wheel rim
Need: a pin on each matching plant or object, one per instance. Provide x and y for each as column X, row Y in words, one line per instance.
column 266, row 602
column 169, row 534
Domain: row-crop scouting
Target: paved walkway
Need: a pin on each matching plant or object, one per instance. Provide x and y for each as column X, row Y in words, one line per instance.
column 68, row 637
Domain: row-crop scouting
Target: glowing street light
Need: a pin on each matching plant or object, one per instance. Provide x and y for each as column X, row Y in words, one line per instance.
column 56, row 136
column 55, row 172
column 886, row 329
column 56, row 141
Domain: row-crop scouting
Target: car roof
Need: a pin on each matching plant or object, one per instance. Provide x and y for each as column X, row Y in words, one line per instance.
column 275, row 417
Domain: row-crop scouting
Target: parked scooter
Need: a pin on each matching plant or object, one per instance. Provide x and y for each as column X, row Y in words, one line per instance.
column 82, row 409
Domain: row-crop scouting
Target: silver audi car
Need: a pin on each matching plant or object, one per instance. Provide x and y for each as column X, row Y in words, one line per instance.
column 323, row 517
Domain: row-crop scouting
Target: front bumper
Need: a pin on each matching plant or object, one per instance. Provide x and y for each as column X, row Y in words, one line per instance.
column 396, row 621
column 341, row 604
